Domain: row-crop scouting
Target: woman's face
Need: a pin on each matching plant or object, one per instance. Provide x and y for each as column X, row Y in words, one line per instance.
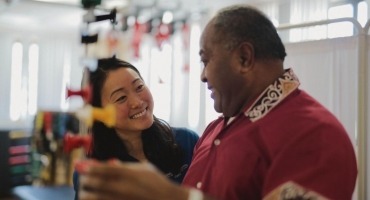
column 132, row 99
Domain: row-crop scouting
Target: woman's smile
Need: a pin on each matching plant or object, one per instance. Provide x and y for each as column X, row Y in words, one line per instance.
column 142, row 113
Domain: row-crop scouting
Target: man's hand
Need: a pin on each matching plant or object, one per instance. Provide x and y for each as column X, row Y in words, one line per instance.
column 116, row 180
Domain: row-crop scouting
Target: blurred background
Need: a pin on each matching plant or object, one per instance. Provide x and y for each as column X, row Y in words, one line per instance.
column 43, row 53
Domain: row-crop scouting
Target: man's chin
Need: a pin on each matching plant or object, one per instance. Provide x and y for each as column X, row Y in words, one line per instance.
column 217, row 108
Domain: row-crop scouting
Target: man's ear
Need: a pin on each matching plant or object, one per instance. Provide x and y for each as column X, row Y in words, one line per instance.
column 246, row 56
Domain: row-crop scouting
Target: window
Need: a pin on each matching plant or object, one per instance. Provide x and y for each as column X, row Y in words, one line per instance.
column 65, row 80
column 340, row 29
column 160, row 80
column 194, row 77
column 33, row 68
column 302, row 11
column 362, row 13
column 16, row 98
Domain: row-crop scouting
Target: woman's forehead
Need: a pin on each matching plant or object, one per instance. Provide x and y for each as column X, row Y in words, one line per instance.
column 122, row 73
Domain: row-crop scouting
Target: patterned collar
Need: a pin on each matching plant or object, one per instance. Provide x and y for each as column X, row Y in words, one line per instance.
column 273, row 95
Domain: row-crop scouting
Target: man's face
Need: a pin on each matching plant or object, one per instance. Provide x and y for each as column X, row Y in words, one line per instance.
column 220, row 73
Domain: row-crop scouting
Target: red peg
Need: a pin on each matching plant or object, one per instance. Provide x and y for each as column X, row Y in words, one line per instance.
column 113, row 41
column 139, row 30
column 186, row 46
column 85, row 93
column 163, row 34
column 48, row 123
column 83, row 165
column 186, row 35
column 72, row 141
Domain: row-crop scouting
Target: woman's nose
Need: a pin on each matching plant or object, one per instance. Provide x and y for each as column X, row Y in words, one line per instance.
column 135, row 102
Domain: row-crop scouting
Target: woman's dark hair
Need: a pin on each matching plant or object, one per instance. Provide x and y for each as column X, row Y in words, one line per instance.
column 241, row 23
column 159, row 144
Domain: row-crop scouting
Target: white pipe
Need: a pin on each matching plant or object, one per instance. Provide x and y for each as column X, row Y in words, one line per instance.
column 322, row 22
column 363, row 111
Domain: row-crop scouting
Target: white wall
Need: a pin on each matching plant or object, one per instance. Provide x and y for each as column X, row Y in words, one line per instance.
column 57, row 41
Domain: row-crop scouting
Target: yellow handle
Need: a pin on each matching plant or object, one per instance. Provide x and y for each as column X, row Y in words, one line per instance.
column 107, row 115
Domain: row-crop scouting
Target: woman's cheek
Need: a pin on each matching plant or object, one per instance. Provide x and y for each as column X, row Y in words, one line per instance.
column 122, row 112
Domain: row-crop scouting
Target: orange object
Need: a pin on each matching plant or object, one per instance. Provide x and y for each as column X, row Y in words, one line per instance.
column 107, row 115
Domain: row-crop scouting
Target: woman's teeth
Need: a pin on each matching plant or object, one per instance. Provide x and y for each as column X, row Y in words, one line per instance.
column 139, row 114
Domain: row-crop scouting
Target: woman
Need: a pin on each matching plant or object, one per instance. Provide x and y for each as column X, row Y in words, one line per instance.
column 138, row 135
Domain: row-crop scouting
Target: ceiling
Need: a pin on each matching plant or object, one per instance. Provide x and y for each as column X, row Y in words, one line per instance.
column 39, row 15
column 68, row 13
column 54, row 14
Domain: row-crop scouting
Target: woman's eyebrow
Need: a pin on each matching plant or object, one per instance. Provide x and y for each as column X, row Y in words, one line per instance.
column 137, row 79
column 115, row 91
column 122, row 88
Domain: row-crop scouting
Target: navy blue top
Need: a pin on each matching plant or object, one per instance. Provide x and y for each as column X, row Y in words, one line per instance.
column 185, row 138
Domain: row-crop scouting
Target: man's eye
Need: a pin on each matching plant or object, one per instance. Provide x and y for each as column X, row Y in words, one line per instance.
column 204, row 63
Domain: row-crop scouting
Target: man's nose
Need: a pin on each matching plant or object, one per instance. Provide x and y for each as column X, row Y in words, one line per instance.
column 203, row 77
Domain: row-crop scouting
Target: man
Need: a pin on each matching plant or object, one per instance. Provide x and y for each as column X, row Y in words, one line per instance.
column 273, row 141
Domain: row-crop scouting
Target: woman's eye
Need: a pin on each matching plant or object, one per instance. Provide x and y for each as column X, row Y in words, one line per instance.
column 140, row 87
column 121, row 99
